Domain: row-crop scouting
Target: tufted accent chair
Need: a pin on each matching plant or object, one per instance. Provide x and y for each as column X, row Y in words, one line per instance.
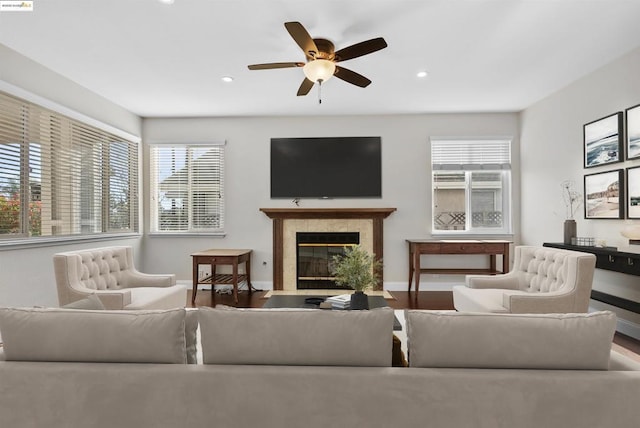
column 110, row 274
column 543, row 280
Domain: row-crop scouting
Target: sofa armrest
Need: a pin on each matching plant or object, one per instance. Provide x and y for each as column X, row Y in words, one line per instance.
column 506, row 281
column 521, row 302
column 134, row 278
column 113, row 299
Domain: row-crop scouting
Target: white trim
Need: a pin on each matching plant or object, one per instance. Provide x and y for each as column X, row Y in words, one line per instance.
column 424, row 286
column 472, row 138
column 186, row 234
column 59, row 108
column 59, row 240
column 177, row 143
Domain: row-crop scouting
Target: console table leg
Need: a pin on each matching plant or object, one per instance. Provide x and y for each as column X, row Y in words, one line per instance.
column 235, row 282
column 194, row 288
column 410, row 269
column 416, row 270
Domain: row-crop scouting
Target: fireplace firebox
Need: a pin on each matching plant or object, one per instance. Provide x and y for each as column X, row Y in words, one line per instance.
column 314, row 255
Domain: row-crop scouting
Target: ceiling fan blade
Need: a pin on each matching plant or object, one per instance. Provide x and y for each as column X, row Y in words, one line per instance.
column 359, row 49
column 351, row 77
column 305, row 87
column 275, row 65
column 302, row 38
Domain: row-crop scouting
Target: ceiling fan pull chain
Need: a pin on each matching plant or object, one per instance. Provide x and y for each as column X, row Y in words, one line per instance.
column 319, row 91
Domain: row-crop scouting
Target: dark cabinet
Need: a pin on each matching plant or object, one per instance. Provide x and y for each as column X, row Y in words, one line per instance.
column 609, row 259
column 614, row 260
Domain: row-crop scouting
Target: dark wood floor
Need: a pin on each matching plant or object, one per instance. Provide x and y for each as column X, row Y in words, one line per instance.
column 434, row 300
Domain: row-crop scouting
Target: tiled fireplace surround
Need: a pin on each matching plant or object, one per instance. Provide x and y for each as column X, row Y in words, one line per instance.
column 368, row 222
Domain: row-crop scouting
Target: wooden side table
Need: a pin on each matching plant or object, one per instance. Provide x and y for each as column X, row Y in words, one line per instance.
column 417, row 247
column 221, row 257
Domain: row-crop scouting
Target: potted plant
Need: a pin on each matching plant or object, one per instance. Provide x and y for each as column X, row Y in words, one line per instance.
column 358, row 270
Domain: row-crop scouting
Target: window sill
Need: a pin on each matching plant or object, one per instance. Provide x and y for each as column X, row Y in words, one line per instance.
column 186, row 234
column 59, row 240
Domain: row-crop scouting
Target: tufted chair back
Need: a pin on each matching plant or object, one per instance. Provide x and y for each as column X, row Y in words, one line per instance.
column 543, row 269
column 103, row 269
column 543, row 280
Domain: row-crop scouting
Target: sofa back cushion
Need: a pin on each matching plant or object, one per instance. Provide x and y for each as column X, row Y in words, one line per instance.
column 76, row 335
column 513, row 341
column 307, row 337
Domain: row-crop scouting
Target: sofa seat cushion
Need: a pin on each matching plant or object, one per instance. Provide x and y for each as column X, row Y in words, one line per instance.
column 157, row 297
column 478, row 300
column 76, row 335
column 510, row 341
column 308, row 337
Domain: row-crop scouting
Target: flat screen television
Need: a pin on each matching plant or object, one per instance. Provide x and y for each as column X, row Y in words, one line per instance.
column 327, row 167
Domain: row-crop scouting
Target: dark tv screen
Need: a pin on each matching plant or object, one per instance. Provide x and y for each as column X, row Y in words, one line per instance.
column 328, row 167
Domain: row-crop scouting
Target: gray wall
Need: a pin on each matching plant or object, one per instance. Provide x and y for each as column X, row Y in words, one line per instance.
column 552, row 151
column 405, row 170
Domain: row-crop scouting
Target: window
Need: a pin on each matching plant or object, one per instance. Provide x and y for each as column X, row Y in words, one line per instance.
column 187, row 188
column 471, row 186
column 62, row 177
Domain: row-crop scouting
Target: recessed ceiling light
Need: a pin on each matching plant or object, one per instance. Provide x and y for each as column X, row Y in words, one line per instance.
column 227, row 79
column 422, row 73
column 166, row 1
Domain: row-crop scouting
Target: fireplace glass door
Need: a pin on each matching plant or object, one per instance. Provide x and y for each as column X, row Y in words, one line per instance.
column 315, row 254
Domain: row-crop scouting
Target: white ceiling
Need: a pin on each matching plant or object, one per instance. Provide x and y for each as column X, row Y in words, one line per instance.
column 168, row 60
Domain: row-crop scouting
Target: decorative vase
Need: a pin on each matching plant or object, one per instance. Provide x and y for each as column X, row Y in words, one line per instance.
column 359, row 301
column 570, row 228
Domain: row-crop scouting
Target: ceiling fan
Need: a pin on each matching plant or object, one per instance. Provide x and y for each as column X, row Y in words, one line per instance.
column 322, row 58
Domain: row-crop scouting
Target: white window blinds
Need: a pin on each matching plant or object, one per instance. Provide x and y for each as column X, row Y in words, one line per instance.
column 61, row 176
column 470, row 154
column 187, row 188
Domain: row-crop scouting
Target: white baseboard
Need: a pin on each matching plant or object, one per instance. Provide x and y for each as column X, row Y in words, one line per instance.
column 424, row 286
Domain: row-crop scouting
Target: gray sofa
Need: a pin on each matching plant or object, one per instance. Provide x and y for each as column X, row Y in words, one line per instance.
column 467, row 370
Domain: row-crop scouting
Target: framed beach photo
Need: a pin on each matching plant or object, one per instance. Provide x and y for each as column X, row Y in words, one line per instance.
column 603, row 195
column 602, row 141
column 633, row 192
column 633, row 132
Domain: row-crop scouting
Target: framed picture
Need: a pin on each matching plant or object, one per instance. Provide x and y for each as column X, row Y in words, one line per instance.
column 603, row 194
column 633, row 192
column 602, row 141
column 633, row 132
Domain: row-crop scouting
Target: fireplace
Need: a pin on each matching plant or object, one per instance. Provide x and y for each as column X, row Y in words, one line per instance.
column 368, row 222
column 314, row 257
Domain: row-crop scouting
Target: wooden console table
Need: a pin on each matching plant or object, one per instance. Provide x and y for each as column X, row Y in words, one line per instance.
column 221, row 257
column 417, row 247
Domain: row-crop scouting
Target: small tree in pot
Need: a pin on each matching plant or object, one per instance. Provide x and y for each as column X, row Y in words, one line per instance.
column 359, row 270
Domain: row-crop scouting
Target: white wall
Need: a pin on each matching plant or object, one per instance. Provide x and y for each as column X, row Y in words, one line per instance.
column 405, row 169
column 552, row 151
column 26, row 275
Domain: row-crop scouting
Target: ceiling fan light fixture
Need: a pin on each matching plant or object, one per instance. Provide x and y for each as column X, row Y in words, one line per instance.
column 319, row 70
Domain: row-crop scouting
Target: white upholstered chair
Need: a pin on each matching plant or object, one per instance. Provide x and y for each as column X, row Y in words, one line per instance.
column 110, row 274
column 543, row 280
